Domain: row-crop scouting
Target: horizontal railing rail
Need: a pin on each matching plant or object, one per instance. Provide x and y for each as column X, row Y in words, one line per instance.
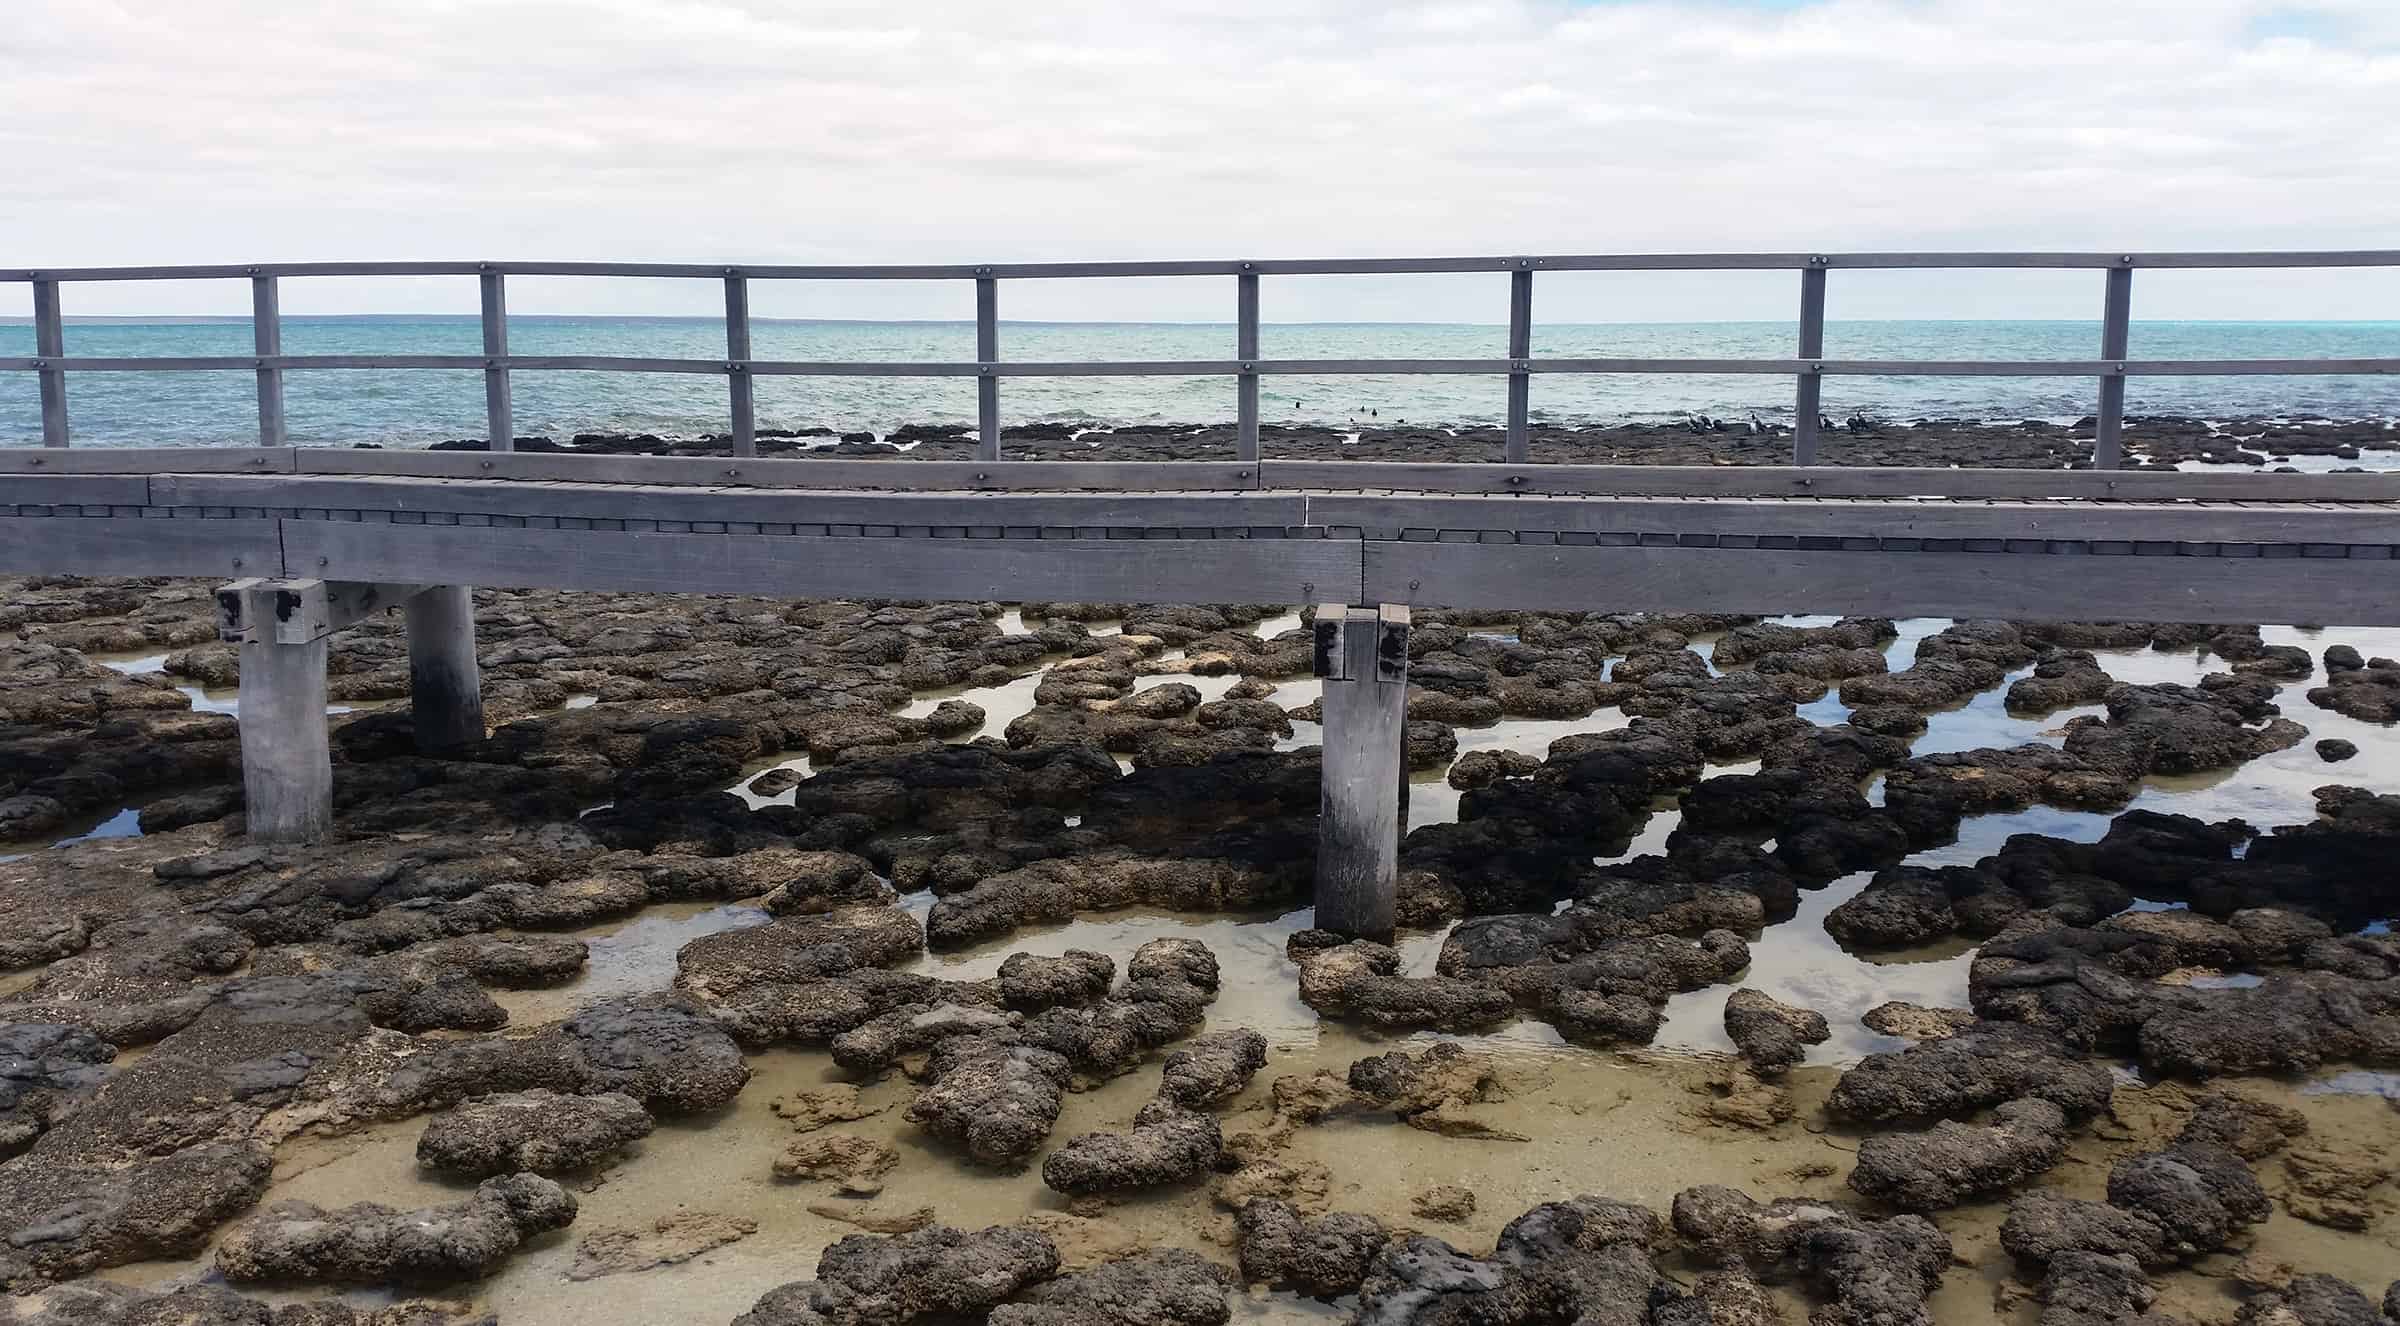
column 51, row 363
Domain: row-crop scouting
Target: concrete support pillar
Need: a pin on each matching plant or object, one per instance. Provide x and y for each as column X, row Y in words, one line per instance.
column 445, row 687
column 287, row 762
column 1362, row 655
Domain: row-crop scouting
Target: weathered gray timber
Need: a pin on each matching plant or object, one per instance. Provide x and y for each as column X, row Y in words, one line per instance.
column 498, row 402
column 2116, row 316
column 266, row 327
column 737, row 349
column 445, row 684
column 1098, row 570
column 1245, row 348
column 51, row 363
column 1362, row 657
column 1805, row 403
column 287, row 764
column 2012, row 543
column 1520, row 349
column 1607, row 262
column 50, row 347
column 2099, row 588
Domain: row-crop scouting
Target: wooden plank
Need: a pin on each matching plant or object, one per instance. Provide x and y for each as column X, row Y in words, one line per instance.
column 147, row 460
column 2246, row 523
column 803, row 567
column 89, row 489
column 1228, row 267
column 790, row 472
column 1820, row 481
column 132, row 546
column 2018, row 586
column 596, row 501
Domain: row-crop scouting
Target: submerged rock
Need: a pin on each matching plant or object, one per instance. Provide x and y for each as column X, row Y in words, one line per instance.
column 1325, row 1256
column 2313, row 1300
column 867, row 1280
column 45, row 1069
column 1975, row 1067
column 2097, row 1289
column 1434, row 1090
column 1587, row 1260
column 855, row 1164
column 1772, row 1035
column 1168, row 1144
column 1870, row 1270
column 665, row 1053
column 1161, row 1287
column 991, row 1096
column 667, row 1241
column 1953, row 1162
column 1212, row 1068
column 370, row 1243
column 1077, row 977
column 1362, row 979
column 1444, row 1201
column 538, row 1131
column 97, row 1303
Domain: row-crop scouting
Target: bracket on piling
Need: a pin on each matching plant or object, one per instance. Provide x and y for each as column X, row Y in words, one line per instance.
column 1391, row 643
column 299, row 612
column 1331, row 661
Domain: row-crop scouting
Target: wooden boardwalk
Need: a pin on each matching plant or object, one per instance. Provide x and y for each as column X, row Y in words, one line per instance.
column 2005, row 543
column 308, row 539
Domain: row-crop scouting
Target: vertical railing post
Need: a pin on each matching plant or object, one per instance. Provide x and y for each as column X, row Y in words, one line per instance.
column 1245, row 348
column 499, row 410
column 2116, row 323
column 737, row 371
column 1806, row 403
column 50, row 346
column 1520, row 349
column 266, row 334
column 987, row 353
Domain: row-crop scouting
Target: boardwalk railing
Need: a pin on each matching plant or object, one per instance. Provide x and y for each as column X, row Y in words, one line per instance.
column 1808, row 366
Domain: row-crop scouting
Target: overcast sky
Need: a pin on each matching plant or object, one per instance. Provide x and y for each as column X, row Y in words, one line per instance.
column 158, row 131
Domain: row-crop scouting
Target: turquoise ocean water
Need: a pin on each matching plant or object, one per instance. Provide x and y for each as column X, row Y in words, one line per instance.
column 402, row 407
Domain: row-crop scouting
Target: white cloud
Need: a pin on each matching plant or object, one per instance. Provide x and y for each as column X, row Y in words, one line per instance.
column 764, row 130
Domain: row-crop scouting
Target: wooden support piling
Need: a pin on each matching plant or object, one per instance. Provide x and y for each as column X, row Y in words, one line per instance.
column 1365, row 708
column 445, row 686
column 287, row 761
